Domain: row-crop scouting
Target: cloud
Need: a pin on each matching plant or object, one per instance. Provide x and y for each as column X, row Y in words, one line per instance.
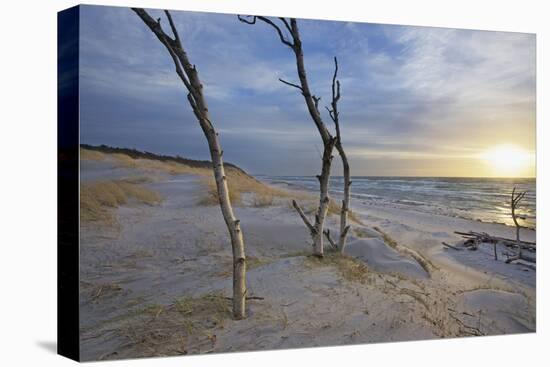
column 416, row 92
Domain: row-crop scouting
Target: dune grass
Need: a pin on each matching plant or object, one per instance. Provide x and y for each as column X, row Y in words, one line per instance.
column 238, row 184
column 125, row 161
column 350, row 268
column 186, row 326
column 105, row 290
column 263, row 200
column 172, row 168
column 97, row 199
column 420, row 258
column 238, row 181
column 211, row 196
column 91, row 155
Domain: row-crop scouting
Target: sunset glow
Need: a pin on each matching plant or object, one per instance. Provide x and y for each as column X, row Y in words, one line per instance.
column 508, row 160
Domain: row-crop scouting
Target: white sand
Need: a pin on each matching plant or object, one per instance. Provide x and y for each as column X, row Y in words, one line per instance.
column 178, row 249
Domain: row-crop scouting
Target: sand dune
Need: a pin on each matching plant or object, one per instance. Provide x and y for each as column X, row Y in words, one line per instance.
column 155, row 284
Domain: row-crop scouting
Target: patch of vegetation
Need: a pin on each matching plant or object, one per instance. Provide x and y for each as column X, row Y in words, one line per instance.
column 263, row 200
column 295, row 254
column 91, row 155
column 138, row 180
column 350, row 268
column 97, row 199
column 253, row 262
column 146, row 161
column 186, row 326
column 104, row 291
column 211, row 197
column 386, row 237
column 238, row 184
column 172, row 168
column 139, row 155
column 123, row 160
column 420, row 258
column 335, row 209
column 363, row 232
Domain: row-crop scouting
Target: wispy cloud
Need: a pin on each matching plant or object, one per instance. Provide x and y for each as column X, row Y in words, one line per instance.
column 407, row 92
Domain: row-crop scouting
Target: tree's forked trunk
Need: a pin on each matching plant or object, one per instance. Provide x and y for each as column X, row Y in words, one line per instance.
column 344, row 213
column 190, row 78
column 312, row 103
column 324, row 200
column 335, row 116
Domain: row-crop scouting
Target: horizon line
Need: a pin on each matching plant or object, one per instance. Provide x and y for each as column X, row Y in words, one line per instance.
column 87, row 145
column 403, row 176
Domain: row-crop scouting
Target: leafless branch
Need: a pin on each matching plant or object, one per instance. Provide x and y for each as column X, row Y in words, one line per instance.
column 173, row 27
column 304, row 218
column 330, row 240
column 287, row 26
column 275, row 26
column 291, row 84
column 333, row 111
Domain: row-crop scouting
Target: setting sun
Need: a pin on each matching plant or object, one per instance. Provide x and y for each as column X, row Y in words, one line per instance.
column 508, row 160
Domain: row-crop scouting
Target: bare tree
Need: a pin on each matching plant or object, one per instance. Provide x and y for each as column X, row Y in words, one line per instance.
column 188, row 74
column 514, row 201
column 335, row 116
column 312, row 103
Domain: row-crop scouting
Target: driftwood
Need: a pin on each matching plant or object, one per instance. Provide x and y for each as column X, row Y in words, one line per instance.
column 451, row 246
column 189, row 75
column 528, row 266
column 518, row 244
column 484, row 237
column 469, row 243
column 473, row 239
column 522, row 256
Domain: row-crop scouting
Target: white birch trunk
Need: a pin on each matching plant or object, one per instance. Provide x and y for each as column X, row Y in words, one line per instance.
column 344, row 227
column 189, row 76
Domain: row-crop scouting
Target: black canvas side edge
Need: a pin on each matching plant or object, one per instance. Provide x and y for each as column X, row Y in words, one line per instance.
column 68, row 340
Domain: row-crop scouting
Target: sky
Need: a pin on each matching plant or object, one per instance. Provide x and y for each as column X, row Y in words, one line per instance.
column 416, row 101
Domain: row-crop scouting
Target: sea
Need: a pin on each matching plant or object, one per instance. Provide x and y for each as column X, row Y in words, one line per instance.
column 483, row 199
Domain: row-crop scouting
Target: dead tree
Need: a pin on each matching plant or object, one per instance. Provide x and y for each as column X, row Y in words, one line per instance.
column 312, row 103
column 188, row 74
column 514, row 201
column 335, row 116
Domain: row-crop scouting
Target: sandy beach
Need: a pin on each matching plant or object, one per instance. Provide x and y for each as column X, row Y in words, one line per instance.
column 155, row 271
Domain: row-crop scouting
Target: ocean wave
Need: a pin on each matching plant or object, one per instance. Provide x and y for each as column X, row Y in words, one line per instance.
column 479, row 199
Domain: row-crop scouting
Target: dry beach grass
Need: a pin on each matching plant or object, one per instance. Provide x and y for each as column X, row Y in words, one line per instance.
column 97, row 199
column 238, row 181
